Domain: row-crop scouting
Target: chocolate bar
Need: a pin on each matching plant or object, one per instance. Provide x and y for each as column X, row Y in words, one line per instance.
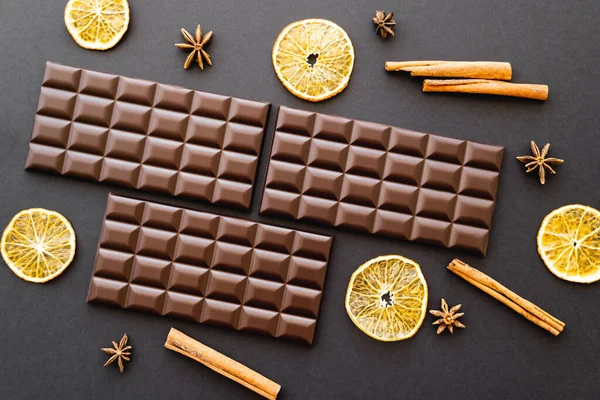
column 211, row 269
column 382, row 180
column 145, row 135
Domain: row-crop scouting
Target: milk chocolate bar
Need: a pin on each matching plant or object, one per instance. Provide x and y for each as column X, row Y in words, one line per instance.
column 383, row 180
column 145, row 135
column 211, row 269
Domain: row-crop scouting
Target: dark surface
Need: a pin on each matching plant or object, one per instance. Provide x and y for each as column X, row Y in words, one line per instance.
column 383, row 180
column 147, row 136
column 51, row 339
column 227, row 272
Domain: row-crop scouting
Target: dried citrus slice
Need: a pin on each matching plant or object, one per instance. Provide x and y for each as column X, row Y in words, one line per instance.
column 38, row 244
column 313, row 58
column 97, row 24
column 569, row 243
column 387, row 298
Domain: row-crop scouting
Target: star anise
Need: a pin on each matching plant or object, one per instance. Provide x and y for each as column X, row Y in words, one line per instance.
column 119, row 352
column 196, row 44
column 448, row 318
column 539, row 161
column 385, row 23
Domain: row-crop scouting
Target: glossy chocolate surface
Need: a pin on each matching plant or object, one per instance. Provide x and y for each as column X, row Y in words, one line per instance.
column 210, row 269
column 382, row 180
column 145, row 135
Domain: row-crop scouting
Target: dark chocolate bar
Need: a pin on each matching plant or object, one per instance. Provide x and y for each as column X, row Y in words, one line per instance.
column 383, row 180
column 145, row 135
column 211, row 269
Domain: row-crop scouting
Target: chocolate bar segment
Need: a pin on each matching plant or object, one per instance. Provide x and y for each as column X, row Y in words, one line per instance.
column 382, row 180
column 145, row 135
column 210, row 269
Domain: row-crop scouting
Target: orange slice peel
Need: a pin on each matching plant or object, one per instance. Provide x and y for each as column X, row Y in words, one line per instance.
column 569, row 243
column 387, row 298
column 38, row 245
column 313, row 59
column 97, row 24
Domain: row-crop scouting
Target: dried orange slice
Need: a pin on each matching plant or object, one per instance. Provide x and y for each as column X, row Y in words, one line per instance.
column 38, row 244
column 97, row 24
column 387, row 298
column 313, row 58
column 569, row 243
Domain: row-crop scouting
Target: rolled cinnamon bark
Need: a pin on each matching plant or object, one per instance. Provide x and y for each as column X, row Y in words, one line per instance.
column 484, row 86
column 522, row 306
column 183, row 344
column 454, row 69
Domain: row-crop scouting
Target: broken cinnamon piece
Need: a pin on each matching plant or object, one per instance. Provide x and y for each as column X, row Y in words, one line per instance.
column 484, row 86
column 454, row 69
column 524, row 307
column 183, row 344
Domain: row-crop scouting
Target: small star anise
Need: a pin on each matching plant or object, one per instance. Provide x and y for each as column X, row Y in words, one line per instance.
column 119, row 352
column 448, row 318
column 196, row 44
column 385, row 23
column 539, row 160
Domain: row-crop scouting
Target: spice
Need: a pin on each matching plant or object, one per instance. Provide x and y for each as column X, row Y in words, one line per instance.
column 119, row 352
column 454, row 69
column 385, row 23
column 196, row 44
column 484, row 86
column 539, row 161
column 524, row 307
column 183, row 344
column 448, row 318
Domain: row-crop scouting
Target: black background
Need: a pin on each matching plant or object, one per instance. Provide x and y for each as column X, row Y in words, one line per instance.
column 50, row 338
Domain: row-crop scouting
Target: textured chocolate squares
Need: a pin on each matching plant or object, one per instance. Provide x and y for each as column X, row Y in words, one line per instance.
column 382, row 180
column 145, row 135
column 210, row 269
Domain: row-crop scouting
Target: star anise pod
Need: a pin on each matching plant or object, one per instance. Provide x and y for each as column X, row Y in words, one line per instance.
column 448, row 318
column 196, row 44
column 385, row 23
column 538, row 160
column 119, row 352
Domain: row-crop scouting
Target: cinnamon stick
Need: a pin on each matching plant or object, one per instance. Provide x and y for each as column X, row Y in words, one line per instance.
column 454, row 69
column 512, row 305
column 183, row 344
column 484, row 86
column 522, row 306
